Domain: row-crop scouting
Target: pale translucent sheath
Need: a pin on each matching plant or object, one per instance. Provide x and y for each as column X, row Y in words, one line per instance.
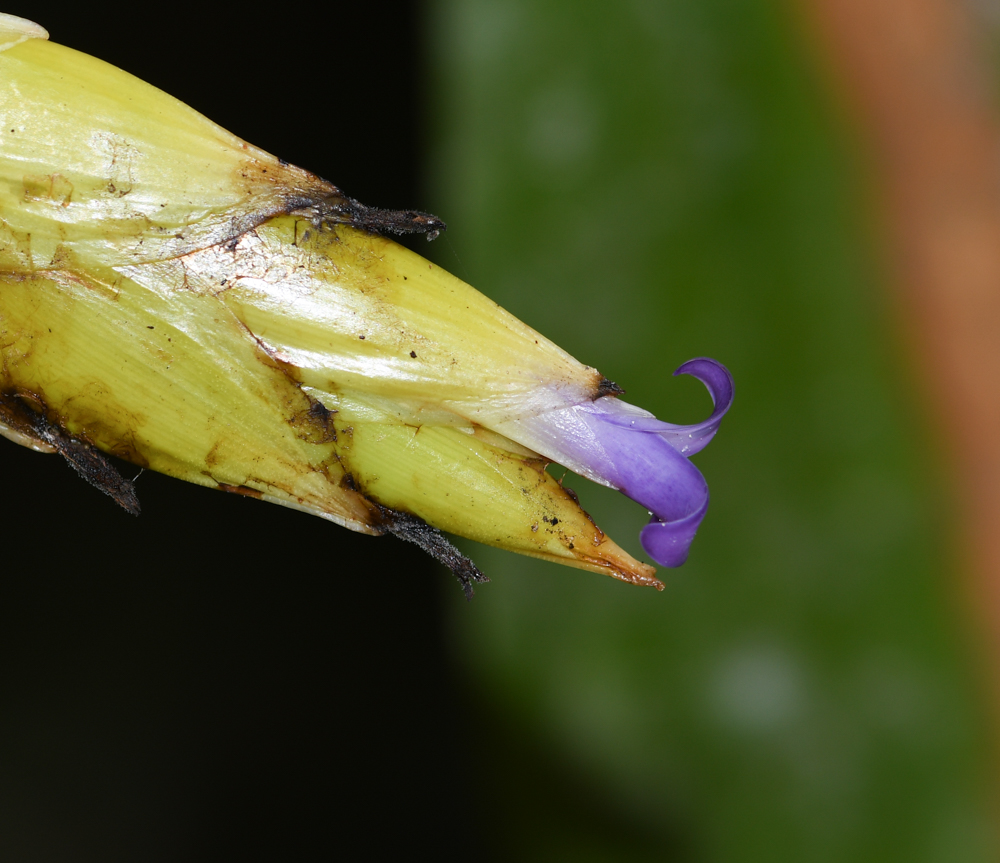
column 177, row 297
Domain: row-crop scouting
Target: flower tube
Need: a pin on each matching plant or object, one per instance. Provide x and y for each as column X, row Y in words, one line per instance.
column 174, row 296
column 626, row 448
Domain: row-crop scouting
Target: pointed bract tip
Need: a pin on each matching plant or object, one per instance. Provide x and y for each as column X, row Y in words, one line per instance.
column 14, row 31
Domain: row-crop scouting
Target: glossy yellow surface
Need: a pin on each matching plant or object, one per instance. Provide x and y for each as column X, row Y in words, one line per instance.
column 168, row 293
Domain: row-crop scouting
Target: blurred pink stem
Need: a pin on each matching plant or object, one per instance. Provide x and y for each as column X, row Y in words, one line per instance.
column 916, row 80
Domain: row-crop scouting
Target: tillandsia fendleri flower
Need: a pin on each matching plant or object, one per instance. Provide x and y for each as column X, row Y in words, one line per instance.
column 177, row 297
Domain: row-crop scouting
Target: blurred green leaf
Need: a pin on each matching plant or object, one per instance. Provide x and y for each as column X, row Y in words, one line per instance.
column 645, row 183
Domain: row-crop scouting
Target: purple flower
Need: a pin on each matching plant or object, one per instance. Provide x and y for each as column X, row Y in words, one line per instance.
column 626, row 448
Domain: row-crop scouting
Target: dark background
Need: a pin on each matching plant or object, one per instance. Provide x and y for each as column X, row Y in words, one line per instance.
column 219, row 678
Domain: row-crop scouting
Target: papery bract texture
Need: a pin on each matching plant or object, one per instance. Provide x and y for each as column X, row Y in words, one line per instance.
column 175, row 296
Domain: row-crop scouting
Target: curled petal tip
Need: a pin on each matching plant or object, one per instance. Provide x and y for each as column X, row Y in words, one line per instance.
column 713, row 375
column 686, row 439
column 690, row 439
column 668, row 542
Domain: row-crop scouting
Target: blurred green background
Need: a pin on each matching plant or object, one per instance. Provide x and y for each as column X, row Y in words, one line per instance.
column 648, row 182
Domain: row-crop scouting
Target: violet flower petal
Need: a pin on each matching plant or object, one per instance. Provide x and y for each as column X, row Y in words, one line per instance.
column 622, row 446
column 648, row 468
column 686, row 439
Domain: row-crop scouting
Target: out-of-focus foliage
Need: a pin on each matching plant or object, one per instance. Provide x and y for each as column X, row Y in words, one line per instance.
column 644, row 183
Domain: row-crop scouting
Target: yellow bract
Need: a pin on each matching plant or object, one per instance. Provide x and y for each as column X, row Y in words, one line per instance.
column 174, row 296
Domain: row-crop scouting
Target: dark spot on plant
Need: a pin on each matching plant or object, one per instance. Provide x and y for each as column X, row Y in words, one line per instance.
column 414, row 529
column 315, row 425
column 244, row 490
column 608, row 388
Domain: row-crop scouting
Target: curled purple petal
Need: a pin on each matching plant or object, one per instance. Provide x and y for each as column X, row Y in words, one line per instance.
column 686, row 439
column 622, row 446
column 668, row 542
column 650, row 470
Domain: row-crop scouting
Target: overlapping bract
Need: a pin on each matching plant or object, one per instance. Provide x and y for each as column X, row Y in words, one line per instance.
column 170, row 294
